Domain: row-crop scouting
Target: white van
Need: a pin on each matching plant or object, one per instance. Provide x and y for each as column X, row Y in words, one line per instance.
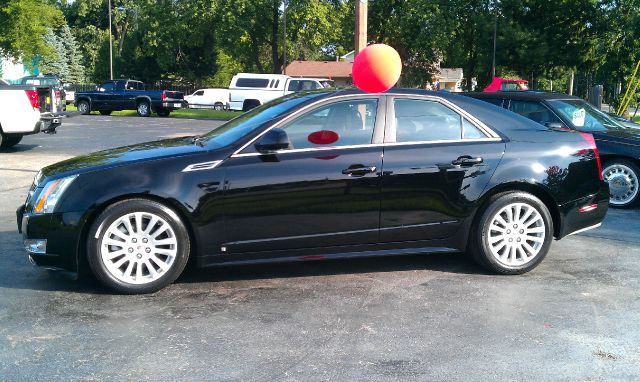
column 216, row 98
column 248, row 90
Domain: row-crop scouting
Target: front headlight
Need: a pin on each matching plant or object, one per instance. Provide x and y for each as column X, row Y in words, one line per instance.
column 51, row 193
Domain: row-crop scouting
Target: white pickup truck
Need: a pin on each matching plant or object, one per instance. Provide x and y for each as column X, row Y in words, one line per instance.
column 249, row 90
column 25, row 110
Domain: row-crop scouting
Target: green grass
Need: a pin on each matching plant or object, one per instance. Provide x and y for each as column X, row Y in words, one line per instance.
column 636, row 119
column 181, row 113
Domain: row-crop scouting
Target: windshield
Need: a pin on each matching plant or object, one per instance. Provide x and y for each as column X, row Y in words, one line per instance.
column 249, row 121
column 583, row 116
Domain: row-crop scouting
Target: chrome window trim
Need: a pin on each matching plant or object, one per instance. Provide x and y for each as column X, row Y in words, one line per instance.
column 385, row 100
column 387, row 144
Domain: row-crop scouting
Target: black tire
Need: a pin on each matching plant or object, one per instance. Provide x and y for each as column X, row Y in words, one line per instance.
column 629, row 174
column 101, row 228
column 143, row 108
column 163, row 112
column 7, row 141
column 479, row 245
column 218, row 106
column 83, row 107
column 250, row 104
column 105, row 112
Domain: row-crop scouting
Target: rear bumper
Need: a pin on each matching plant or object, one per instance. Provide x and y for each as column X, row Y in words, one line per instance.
column 584, row 213
column 172, row 104
column 61, row 231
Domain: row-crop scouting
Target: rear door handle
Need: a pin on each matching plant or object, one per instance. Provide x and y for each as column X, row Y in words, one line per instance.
column 467, row 161
column 358, row 170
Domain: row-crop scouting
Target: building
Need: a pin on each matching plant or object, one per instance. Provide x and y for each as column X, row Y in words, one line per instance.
column 12, row 71
column 449, row 79
column 338, row 71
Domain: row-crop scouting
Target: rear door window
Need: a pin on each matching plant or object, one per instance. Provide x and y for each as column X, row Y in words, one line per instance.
column 535, row 111
column 423, row 121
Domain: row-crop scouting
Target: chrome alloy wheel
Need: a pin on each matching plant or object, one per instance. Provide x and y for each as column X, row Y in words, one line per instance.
column 516, row 234
column 143, row 108
column 623, row 183
column 138, row 248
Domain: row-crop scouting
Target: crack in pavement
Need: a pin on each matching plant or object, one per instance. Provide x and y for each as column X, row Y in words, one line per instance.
column 17, row 169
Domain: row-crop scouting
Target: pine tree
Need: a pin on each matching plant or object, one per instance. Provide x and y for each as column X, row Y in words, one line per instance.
column 73, row 57
column 57, row 63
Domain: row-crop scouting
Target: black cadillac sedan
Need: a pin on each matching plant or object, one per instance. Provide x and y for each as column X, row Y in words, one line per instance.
column 319, row 175
column 618, row 145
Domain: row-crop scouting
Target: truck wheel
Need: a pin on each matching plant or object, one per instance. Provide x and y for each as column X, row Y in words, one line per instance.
column 218, row 106
column 83, row 107
column 144, row 109
column 105, row 112
column 6, row 141
column 163, row 112
column 250, row 104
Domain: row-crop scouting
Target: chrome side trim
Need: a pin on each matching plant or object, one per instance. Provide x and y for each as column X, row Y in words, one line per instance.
column 585, row 229
column 337, row 233
column 202, row 166
column 390, row 144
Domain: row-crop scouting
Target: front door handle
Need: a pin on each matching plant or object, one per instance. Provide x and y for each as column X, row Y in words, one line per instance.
column 358, row 170
column 466, row 161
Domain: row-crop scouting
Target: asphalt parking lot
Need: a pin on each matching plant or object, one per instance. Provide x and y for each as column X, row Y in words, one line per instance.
column 430, row 317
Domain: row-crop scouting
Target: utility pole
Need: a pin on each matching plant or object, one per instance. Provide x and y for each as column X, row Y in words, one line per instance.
column 110, row 45
column 361, row 25
column 284, row 38
column 493, row 65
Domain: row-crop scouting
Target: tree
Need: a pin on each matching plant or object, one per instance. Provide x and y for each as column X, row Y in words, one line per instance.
column 73, row 57
column 23, row 25
column 57, row 62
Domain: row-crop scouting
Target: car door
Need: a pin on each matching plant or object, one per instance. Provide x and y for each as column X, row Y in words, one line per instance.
column 101, row 100
column 437, row 162
column 322, row 191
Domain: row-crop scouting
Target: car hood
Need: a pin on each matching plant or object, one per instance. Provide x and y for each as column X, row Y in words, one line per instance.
column 123, row 155
column 624, row 136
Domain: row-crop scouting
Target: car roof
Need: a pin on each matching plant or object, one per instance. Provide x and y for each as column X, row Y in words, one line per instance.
column 496, row 118
column 528, row 95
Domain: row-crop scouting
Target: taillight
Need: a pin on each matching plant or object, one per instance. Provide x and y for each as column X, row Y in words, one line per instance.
column 592, row 142
column 163, row 96
column 33, row 98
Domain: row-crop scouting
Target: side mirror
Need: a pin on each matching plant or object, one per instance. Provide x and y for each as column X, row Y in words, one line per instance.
column 555, row 125
column 274, row 140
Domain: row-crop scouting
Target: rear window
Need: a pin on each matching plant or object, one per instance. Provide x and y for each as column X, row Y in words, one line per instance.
column 252, row 82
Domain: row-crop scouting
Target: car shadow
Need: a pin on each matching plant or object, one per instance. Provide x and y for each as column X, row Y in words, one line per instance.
column 16, row 272
column 457, row 263
column 20, row 148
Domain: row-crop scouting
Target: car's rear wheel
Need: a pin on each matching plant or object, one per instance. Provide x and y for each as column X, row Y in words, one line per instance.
column 84, row 107
column 143, row 109
column 163, row 112
column 513, row 234
column 7, row 141
column 623, row 177
column 218, row 106
column 137, row 246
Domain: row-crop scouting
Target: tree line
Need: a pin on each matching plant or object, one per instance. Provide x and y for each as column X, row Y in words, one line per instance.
column 205, row 42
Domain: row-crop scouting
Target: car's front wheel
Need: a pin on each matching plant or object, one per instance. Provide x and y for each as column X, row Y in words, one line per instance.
column 137, row 246
column 623, row 178
column 513, row 234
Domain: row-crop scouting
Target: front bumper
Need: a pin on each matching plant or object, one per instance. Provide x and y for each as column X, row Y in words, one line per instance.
column 62, row 234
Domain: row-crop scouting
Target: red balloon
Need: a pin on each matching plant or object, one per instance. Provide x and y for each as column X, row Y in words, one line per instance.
column 376, row 68
column 323, row 137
